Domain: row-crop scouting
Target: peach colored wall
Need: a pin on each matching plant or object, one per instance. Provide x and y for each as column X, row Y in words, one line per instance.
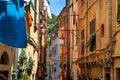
column 10, row 52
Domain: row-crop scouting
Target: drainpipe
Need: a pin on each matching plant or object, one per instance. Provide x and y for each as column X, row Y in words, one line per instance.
column 109, row 32
column 68, row 46
column 86, row 23
column 86, row 37
column 109, row 27
column 40, row 40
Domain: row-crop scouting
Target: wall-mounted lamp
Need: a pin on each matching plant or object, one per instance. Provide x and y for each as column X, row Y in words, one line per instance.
column 62, row 41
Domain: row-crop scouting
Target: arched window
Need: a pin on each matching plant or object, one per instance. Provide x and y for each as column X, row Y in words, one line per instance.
column 4, row 58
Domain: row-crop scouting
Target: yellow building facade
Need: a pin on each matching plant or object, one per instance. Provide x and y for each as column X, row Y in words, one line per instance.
column 115, row 39
column 8, row 54
column 32, row 49
column 99, row 39
column 74, row 38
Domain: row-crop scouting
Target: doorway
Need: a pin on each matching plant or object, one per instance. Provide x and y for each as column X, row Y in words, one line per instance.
column 4, row 74
column 107, row 76
column 118, row 74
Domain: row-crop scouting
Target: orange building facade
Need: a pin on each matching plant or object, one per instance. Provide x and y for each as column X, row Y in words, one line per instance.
column 63, row 42
column 93, row 36
column 99, row 39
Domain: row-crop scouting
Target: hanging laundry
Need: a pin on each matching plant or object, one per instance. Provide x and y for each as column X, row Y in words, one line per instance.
column 27, row 1
column 29, row 19
column 12, row 23
column 46, row 6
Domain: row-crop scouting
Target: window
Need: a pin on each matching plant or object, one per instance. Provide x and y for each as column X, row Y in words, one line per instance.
column 102, row 30
column 92, row 32
column 77, row 33
column 72, row 39
column 82, row 34
column 82, row 48
column 118, row 12
column 82, row 42
column 93, row 44
column 92, row 41
column 92, row 26
column 117, row 73
column 64, row 20
column 74, row 18
column 82, row 0
column 54, row 69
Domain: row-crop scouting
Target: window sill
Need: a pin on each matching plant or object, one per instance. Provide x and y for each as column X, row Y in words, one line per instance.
column 92, row 52
column 82, row 56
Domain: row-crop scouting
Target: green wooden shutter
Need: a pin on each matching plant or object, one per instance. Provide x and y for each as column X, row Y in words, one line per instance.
column 35, row 25
column 93, row 25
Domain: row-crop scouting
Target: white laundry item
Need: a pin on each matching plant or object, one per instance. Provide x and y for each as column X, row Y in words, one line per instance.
column 27, row 1
column 46, row 6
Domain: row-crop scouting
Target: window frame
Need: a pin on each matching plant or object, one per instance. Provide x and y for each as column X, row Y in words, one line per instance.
column 82, row 41
column 102, row 30
column 93, row 32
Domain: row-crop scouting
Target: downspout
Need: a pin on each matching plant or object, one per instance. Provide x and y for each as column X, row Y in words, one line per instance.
column 86, row 23
column 109, row 33
column 40, row 41
column 68, row 44
column 86, row 37
column 109, row 28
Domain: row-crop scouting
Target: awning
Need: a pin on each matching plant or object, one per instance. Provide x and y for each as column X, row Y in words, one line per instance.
column 90, row 40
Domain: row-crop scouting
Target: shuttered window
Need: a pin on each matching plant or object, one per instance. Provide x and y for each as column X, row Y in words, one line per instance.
column 92, row 32
column 82, row 42
column 82, row 48
column 118, row 12
column 92, row 26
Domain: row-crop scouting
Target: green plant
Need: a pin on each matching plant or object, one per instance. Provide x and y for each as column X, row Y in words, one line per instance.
column 51, row 23
column 22, row 57
column 21, row 63
column 24, row 76
column 29, row 65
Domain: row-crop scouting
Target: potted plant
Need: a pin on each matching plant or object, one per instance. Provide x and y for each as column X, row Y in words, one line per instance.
column 29, row 65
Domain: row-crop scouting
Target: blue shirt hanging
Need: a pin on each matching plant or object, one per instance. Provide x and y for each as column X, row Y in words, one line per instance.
column 12, row 23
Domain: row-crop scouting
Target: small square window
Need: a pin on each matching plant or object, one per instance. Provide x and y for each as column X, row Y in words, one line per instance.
column 102, row 30
column 82, row 34
column 82, row 48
